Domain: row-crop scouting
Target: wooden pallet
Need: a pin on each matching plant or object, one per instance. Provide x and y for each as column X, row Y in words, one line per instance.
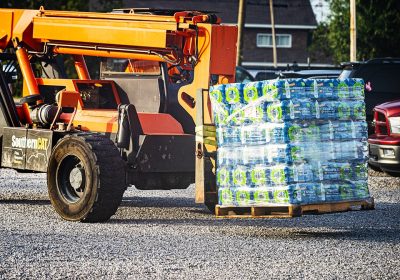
column 290, row 211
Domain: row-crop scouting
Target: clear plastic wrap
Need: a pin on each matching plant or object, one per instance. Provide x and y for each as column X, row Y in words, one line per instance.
column 290, row 141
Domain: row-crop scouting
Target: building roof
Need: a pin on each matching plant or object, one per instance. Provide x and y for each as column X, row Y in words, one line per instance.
column 286, row 12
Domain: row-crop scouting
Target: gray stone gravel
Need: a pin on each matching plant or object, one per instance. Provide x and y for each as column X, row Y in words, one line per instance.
column 164, row 235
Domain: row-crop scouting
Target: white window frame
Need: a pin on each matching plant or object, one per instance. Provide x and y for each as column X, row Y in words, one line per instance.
column 276, row 35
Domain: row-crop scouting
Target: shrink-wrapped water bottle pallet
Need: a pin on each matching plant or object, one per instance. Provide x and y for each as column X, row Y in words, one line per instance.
column 293, row 210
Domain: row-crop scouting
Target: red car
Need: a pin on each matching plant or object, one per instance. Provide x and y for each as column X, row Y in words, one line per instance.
column 384, row 144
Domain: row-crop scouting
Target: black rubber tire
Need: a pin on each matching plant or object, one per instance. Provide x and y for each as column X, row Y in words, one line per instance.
column 103, row 178
column 392, row 174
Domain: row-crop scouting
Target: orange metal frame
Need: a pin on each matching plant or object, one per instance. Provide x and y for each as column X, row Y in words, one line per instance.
column 133, row 36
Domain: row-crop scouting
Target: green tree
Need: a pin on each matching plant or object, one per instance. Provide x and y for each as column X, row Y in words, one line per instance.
column 377, row 30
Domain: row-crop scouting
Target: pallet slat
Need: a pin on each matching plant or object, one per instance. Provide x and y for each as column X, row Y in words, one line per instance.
column 290, row 211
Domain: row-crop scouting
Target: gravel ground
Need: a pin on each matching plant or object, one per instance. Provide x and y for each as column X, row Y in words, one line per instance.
column 164, row 235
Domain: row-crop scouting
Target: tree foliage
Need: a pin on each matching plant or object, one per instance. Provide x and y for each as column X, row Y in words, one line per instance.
column 378, row 33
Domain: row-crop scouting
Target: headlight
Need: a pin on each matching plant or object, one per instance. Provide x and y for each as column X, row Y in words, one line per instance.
column 394, row 124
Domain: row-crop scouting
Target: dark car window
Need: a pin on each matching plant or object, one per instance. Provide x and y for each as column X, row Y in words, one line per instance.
column 382, row 84
column 243, row 76
column 384, row 78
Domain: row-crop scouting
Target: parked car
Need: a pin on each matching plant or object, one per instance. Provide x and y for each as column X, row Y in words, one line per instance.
column 266, row 75
column 382, row 82
column 312, row 74
column 242, row 75
column 384, row 144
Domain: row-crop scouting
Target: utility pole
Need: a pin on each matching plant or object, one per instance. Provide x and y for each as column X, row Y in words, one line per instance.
column 271, row 10
column 241, row 22
column 353, row 31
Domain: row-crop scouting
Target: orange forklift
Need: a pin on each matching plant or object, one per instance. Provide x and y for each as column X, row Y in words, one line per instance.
column 146, row 122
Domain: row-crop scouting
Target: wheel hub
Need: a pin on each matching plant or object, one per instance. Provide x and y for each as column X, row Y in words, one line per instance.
column 76, row 178
column 71, row 178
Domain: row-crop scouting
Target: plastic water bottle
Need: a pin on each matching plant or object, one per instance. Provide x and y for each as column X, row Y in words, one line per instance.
column 280, row 133
column 334, row 110
column 325, row 130
column 357, row 110
column 342, row 88
column 325, row 88
column 280, row 111
column 362, row 149
column 262, row 196
column 359, row 171
column 345, row 150
column 284, row 195
column 279, row 153
column 311, row 132
column 236, row 114
column 304, row 151
column 330, row 191
column 297, row 88
column 217, row 93
column 334, row 171
column 350, row 150
column 304, row 109
column 344, row 110
column 220, row 109
column 346, row 191
column 303, row 173
column 324, row 151
column 287, row 110
column 222, row 156
column 327, row 110
column 243, row 196
column 233, row 93
column 251, row 92
column 357, row 89
column 258, row 176
column 252, row 155
column 225, row 196
column 359, row 130
column 224, row 176
column 280, row 174
column 309, row 193
column 342, row 130
column 254, row 113
column 275, row 90
column 295, row 132
column 254, row 134
column 240, row 176
column 311, row 88
column 360, row 189
column 229, row 136
column 229, row 156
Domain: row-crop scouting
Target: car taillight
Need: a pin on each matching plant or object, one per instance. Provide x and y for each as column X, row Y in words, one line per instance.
column 381, row 124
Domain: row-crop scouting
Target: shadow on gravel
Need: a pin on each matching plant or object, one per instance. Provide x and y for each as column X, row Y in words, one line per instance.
column 277, row 228
column 26, row 201
column 365, row 234
column 162, row 202
column 380, row 225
